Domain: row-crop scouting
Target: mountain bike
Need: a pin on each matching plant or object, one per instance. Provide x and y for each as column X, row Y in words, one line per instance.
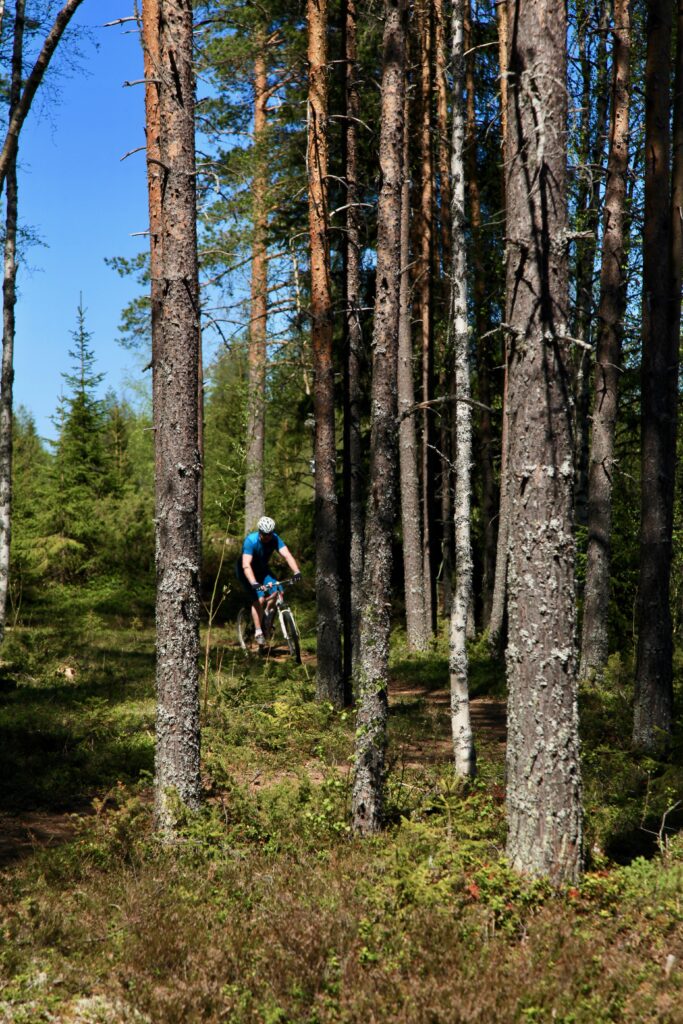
column 279, row 607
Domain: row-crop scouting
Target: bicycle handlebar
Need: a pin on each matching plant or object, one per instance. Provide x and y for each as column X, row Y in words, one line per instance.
column 278, row 583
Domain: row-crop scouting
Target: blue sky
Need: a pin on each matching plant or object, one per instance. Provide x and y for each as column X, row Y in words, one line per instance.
column 85, row 203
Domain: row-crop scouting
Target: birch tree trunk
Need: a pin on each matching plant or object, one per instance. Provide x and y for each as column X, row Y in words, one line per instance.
column 417, row 626
column 175, row 350
column 659, row 385
column 254, row 489
column 543, row 769
column 353, row 485
column 594, row 639
column 329, row 682
column 9, row 298
column 463, row 740
column 375, row 621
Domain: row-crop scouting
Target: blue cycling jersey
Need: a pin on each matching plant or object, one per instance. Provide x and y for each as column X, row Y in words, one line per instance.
column 261, row 551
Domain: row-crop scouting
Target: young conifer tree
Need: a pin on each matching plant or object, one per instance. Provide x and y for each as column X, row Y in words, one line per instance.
column 80, row 465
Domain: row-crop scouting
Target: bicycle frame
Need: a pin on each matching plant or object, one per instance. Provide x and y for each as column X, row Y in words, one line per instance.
column 276, row 600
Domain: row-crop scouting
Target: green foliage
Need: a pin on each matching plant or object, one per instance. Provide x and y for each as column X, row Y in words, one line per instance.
column 268, row 908
column 224, row 439
column 135, row 329
column 74, row 714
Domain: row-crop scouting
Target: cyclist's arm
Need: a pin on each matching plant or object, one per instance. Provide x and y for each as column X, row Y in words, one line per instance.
column 247, row 569
column 289, row 558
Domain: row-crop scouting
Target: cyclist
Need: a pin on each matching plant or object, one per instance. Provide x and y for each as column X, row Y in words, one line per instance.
column 252, row 569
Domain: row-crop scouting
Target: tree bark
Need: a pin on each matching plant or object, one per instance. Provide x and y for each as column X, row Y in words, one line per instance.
column 594, row 104
column 543, row 769
column 485, row 444
column 32, row 83
column 463, row 740
column 498, row 597
column 443, row 230
column 594, row 640
column 353, row 457
column 152, row 67
column 417, row 626
column 329, row 682
column 659, row 384
column 441, row 89
column 422, row 255
column 254, row 489
column 175, row 349
column 375, row 621
column 9, row 298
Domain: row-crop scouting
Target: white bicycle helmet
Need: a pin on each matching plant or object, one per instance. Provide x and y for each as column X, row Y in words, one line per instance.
column 265, row 524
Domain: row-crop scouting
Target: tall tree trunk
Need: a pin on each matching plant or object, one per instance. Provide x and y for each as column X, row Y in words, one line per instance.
column 482, row 329
column 594, row 102
column 498, row 597
column 422, row 256
column 353, row 458
column 375, row 621
column 446, row 385
column 594, row 639
column 152, row 66
column 329, row 684
column 175, row 349
column 659, row 384
column 463, row 740
column 9, row 298
column 441, row 89
column 543, row 770
column 254, row 490
column 417, row 626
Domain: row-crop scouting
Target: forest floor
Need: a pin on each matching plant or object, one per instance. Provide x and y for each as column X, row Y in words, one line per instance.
column 269, row 911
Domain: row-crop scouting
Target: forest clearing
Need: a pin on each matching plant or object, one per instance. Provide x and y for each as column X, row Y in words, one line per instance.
column 341, row 660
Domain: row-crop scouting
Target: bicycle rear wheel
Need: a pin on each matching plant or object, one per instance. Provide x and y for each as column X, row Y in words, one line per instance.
column 291, row 635
column 245, row 631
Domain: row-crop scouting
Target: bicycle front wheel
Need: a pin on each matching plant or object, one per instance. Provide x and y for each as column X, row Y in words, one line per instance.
column 245, row 631
column 291, row 635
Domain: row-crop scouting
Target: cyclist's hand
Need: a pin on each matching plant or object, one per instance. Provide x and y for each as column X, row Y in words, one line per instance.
column 256, row 587
column 297, row 577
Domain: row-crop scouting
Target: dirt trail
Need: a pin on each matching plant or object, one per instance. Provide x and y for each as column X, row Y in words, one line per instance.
column 488, row 722
column 23, row 833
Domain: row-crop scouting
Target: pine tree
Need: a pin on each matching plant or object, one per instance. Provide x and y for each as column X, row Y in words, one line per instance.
column 543, row 793
column 80, row 469
column 175, row 356
column 375, row 619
